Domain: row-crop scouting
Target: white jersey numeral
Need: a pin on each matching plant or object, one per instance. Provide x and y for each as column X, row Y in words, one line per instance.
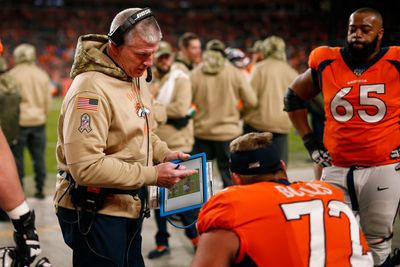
column 315, row 210
column 365, row 99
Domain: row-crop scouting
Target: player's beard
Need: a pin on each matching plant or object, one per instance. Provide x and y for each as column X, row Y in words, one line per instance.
column 364, row 52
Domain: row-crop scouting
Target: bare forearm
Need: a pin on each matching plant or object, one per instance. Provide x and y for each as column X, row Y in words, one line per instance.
column 300, row 121
column 11, row 194
column 216, row 248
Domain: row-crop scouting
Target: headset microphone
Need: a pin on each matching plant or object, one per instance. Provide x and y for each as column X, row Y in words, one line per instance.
column 149, row 75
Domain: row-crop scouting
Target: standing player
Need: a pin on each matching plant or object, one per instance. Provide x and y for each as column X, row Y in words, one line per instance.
column 268, row 221
column 360, row 85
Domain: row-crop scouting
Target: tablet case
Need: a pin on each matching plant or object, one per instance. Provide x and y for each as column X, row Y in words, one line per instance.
column 203, row 187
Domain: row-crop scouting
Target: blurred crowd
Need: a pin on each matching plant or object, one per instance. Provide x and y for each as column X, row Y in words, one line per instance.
column 54, row 29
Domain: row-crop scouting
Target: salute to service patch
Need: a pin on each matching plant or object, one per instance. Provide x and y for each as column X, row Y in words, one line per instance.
column 87, row 103
column 85, row 123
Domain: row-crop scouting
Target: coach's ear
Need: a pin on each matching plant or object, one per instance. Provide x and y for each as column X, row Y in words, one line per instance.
column 236, row 178
column 283, row 165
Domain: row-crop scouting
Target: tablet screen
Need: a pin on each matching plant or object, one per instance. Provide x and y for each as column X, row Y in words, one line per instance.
column 189, row 192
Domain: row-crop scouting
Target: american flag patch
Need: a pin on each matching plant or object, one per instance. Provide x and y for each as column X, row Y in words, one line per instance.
column 87, row 103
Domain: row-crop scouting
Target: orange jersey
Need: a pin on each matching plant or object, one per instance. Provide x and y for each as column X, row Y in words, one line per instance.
column 362, row 105
column 298, row 224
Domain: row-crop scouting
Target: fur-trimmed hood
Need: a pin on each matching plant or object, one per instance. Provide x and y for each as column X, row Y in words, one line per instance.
column 90, row 56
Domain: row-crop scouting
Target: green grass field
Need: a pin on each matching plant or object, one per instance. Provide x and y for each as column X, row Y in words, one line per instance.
column 297, row 154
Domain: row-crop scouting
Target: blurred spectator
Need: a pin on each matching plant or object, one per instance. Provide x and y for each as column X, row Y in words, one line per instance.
column 35, row 106
column 189, row 54
column 172, row 88
column 256, row 52
column 270, row 80
column 239, row 59
column 219, row 92
column 10, row 99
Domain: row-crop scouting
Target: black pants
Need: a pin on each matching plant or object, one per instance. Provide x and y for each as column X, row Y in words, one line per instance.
column 218, row 150
column 101, row 240
column 34, row 138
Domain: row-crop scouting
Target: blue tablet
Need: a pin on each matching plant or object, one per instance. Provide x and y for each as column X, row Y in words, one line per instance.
column 188, row 194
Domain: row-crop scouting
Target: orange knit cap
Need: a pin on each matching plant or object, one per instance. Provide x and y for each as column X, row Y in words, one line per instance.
column 1, row 48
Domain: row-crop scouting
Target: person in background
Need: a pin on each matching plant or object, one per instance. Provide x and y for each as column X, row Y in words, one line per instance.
column 172, row 88
column 106, row 148
column 360, row 152
column 36, row 88
column 220, row 91
column 265, row 220
column 189, row 54
column 239, row 59
column 256, row 54
column 270, row 79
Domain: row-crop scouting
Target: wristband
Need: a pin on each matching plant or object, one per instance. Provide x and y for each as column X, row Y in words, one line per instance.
column 17, row 212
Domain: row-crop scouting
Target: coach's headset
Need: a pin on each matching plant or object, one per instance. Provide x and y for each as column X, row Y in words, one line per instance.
column 117, row 35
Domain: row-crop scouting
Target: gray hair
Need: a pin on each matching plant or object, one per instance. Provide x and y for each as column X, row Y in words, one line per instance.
column 148, row 29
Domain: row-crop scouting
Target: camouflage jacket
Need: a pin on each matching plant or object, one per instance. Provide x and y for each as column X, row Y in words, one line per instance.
column 9, row 107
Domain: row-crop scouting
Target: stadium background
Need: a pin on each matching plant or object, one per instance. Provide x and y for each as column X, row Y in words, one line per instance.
column 53, row 26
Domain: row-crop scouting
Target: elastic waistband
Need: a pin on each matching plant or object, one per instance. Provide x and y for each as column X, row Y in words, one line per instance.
column 114, row 191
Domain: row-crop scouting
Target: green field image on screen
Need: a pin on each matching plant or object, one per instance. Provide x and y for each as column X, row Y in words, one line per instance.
column 189, row 185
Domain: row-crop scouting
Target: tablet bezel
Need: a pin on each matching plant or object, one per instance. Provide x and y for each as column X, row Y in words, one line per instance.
column 204, row 188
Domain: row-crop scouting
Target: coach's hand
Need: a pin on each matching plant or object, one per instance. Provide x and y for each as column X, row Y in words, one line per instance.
column 170, row 173
column 26, row 238
column 174, row 155
column 317, row 151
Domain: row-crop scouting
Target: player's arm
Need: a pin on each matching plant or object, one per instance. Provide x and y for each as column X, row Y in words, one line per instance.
column 301, row 90
column 12, row 200
column 11, row 194
column 216, row 248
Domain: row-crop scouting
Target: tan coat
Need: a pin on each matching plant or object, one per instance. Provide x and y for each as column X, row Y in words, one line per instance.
column 182, row 64
column 181, row 101
column 102, row 140
column 270, row 81
column 35, row 85
column 218, row 100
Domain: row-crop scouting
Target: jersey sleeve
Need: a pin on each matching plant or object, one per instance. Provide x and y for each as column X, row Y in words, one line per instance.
column 318, row 55
column 217, row 213
column 221, row 212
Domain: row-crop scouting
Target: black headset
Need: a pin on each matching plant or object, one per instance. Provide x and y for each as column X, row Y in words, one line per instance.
column 117, row 35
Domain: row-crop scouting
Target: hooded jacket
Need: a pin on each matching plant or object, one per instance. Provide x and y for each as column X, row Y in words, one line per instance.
column 270, row 80
column 219, row 91
column 177, row 107
column 9, row 107
column 35, row 87
column 104, row 137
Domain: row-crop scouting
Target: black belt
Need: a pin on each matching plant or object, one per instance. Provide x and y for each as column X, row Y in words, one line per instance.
column 114, row 191
column 352, row 189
